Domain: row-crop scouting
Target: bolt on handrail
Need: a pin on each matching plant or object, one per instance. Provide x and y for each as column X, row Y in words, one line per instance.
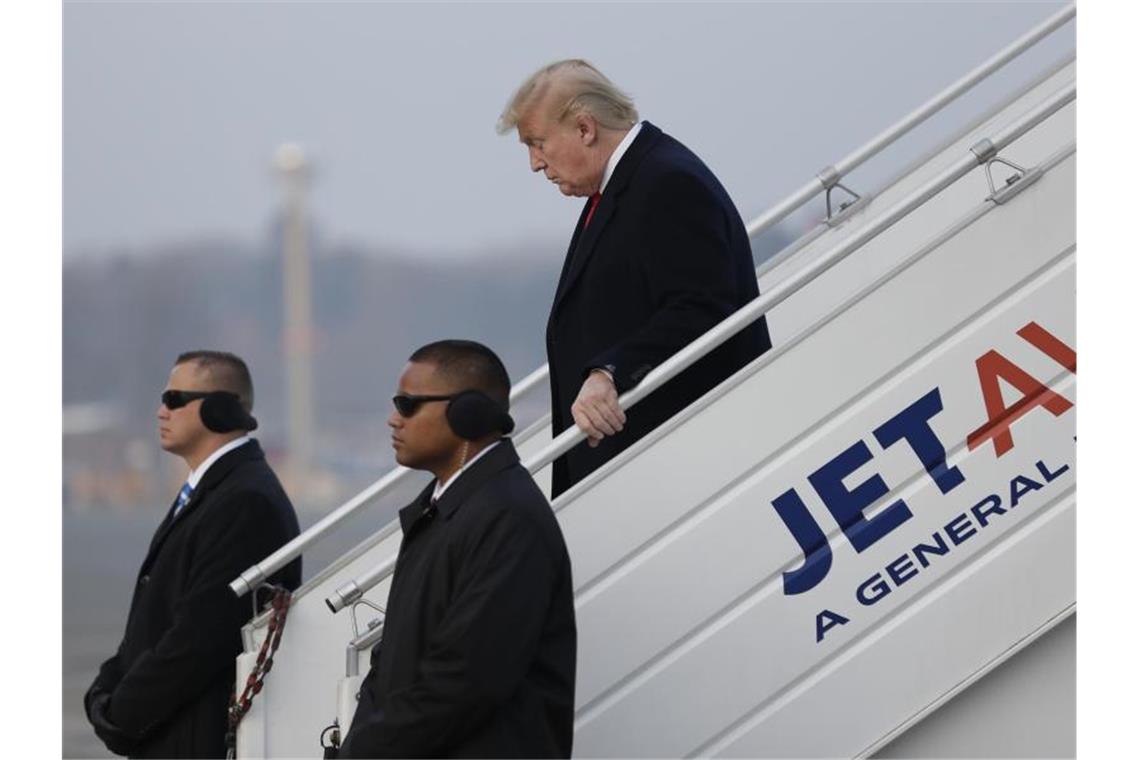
column 830, row 175
column 753, row 310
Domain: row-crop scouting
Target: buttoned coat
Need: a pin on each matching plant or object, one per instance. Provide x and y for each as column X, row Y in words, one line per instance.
column 172, row 675
column 664, row 258
column 479, row 644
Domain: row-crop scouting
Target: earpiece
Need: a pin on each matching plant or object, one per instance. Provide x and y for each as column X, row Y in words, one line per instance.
column 473, row 415
column 222, row 412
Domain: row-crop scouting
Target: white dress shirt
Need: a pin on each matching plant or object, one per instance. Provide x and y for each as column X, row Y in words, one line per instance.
column 619, row 151
column 196, row 476
column 441, row 487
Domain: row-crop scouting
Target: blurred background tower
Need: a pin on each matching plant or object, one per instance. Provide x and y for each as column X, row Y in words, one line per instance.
column 297, row 336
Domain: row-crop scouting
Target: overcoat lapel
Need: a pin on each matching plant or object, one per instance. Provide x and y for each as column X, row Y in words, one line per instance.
column 584, row 242
column 467, row 483
column 563, row 278
column 412, row 512
column 218, row 471
column 503, row 456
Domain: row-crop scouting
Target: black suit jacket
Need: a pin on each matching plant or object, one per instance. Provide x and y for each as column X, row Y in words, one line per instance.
column 664, row 259
column 479, row 645
column 171, row 678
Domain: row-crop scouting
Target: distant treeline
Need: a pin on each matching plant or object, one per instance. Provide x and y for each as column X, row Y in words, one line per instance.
column 126, row 317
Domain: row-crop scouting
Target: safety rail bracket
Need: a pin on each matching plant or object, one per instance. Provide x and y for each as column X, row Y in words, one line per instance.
column 985, row 150
column 379, row 621
column 987, row 155
column 1014, row 183
column 359, row 643
column 846, row 210
column 829, row 177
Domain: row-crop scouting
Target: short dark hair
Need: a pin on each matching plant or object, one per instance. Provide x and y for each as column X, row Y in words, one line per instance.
column 228, row 371
column 469, row 366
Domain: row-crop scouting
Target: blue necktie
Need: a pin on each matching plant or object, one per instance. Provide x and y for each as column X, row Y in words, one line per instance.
column 183, row 497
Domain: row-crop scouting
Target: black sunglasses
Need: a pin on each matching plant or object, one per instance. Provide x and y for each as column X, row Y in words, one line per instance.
column 408, row 405
column 178, row 399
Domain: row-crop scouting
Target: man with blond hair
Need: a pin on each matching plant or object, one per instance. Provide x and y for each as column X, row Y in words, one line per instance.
column 659, row 256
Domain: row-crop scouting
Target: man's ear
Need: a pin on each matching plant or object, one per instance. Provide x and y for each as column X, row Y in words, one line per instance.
column 587, row 128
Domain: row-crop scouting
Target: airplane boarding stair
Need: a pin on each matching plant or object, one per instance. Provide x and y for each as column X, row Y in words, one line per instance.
column 840, row 537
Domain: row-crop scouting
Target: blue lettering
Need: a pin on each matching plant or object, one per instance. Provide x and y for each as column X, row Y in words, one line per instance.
column 939, row 548
column 813, row 543
column 897, row 570
column 1020, row 486
column 912, row 424
column 1051, row 476
column 877, row 587
column 847, row 506
column 980, row 510
column 825, row 621
column 958, row 533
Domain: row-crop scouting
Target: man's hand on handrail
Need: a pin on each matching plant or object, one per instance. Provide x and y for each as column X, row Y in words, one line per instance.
column 596, row 410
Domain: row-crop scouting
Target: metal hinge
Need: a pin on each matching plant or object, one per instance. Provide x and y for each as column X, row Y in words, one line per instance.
column 1021, row 178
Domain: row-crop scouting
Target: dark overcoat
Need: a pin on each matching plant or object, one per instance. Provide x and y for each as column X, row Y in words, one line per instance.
column 171, row 678
column 664, row 258
column 479, row 645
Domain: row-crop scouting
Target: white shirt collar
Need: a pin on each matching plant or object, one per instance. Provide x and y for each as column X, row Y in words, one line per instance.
column 440, row 488
column 619, row 151
column 196, row 476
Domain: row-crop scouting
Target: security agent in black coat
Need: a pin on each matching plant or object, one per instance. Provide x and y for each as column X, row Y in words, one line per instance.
column 661, row 258
column 165, row 691
column 479, row 645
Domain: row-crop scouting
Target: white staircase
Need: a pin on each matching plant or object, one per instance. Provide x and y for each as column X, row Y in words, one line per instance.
column 691, row 640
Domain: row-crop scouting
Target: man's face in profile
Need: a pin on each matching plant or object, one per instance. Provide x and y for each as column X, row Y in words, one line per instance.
column 423, row 440
column 561, row 150
column 181, row 430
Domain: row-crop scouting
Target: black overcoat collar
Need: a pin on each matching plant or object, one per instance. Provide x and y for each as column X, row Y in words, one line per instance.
column 218, row 471
column 494, row 462
column 583, row 242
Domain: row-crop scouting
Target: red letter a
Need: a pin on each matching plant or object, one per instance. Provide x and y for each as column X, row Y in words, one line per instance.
column 992, row 366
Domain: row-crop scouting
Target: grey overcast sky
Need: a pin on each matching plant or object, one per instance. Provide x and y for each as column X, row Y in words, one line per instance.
column 172, row 111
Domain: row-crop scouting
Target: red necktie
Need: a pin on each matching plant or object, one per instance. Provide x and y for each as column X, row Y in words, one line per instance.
column 593, row 206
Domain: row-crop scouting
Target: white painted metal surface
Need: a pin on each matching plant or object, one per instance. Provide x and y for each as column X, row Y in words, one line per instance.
column 812, row 269
column 1023, row 708
column 257, row 574
column 688, row 643
column 720, row 660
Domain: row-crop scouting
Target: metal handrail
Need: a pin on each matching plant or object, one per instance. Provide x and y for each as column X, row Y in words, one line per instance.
column 257, row 574
column 978, row 155
column 354, row 590
column 760, row 305
column 831, row 175
column 826, row 178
